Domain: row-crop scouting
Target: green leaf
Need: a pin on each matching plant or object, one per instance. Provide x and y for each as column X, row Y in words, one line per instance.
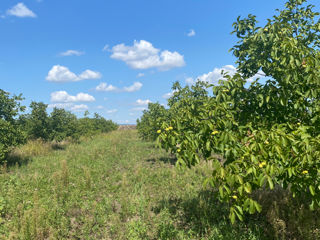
column 227, row 189
column 239, row 215
column 261, row 181
column 258, row 206
column 208, row 146
column 311, row 206
column 252, row 207
column 267, row 99
column 232, row 217
column 271, row 186
column 312, row 190
column 239, row 209
column 221, row 192
column 247, row 187
column 289, row 172
column 240, row 179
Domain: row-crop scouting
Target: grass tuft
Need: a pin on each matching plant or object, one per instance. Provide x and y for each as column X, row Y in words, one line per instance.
column 115, row 186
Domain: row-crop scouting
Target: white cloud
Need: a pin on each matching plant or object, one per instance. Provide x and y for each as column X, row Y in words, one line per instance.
column 191, row 33
column 141, row 102
column 104, row 87
column 60, row 105
column 112, row 111
column 138, row 109
column 105, row 48
column 140, row 74
column 89, row 74
column 123, row 121
column 100, row 107
column 135, row 87
column 64, row 97
column 63, row 74
column 169, row 94
column 260, row 74
column 79, row 108
column 21, row 10
column 142, row 55
column 69, row 106
column 71, row 53
column 189, row 80
column 214, row 76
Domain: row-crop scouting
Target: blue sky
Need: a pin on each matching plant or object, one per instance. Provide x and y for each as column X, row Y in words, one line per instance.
column 115, row 56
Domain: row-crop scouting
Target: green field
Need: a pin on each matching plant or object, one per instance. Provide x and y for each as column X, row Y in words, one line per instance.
column 114, row 186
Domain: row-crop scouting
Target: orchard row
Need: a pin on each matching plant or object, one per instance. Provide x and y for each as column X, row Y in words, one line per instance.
column 16, row 128
column 260, row 136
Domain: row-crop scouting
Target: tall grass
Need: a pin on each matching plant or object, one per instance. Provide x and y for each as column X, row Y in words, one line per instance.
column 116, row 187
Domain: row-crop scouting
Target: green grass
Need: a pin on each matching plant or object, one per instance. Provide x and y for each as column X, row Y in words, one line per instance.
column 115, row 186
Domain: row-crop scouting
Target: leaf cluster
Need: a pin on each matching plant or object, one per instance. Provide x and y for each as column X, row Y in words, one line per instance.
column 263, row 135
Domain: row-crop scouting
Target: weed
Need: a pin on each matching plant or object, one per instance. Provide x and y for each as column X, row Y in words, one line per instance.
column 116, row 187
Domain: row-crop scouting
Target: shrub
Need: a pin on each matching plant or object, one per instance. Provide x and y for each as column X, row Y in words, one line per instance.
column 62, row 125
column 10, row 132
column 38, row 121
column 90, row 126
column 262, row 135
column 151, row 120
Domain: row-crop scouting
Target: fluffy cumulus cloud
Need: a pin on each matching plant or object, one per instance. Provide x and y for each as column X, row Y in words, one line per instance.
column 70, row 106
column 111, row 111
column 71, row 53
column 168, row 95
column 133, row 88
column 89, row 74
column 64, row 97
column 214, row 76
column 142, row 55
column 79, row 108
column 189, row 80
column 60, row 105
column 141, row 102
column 191, row 33
column 63, row 74
column 104, row 87
column 21, row 10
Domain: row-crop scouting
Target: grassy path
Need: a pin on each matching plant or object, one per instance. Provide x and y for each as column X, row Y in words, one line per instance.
column 112, row 187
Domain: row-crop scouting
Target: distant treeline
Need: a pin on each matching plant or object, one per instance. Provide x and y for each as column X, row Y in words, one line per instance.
column 16, row 127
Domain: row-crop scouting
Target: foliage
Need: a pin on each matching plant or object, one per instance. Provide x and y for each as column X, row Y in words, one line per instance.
column 150, row 120
column 102, row 125
column 90, row 126
column 38, row 124
column 263, row 135
column 57, row 126
column 62, row 125
column 10, row 133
